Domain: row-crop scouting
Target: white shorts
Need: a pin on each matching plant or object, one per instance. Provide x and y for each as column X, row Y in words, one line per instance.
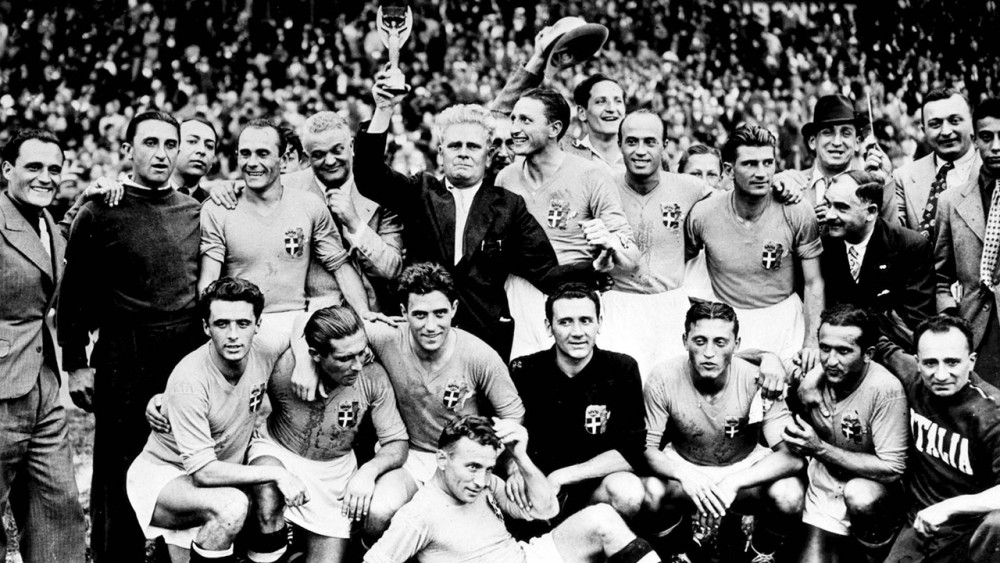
column 648, row 327
column 697, row 284
column 276, row 328
column 527, row 308
column 541, row 550
column 825, row 507
column 719, row 472
column 779, row 328
column 143, row 484
column 421, row 466
column 324, row 482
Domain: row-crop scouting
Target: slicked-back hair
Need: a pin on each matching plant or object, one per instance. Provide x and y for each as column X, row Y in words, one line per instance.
column 231, row 289
column 554, row 107
column 641, row 112
column 331, row 323
column 581, row 94
column 990, row 107
column 938, row 95
column 477, row 428
column 941, row 324
column 151, row 115
column 292, row 142
column 203, row 121
column 423, row 278
column 12, row 149
column 695, row 150
column 572, row 290
column 708, row 310
column 262, row 123
column 747, row 136
column 466, row 114
column 870, row 187
column 848, row 315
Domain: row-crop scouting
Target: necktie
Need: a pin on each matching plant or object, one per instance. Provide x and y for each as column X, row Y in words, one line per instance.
column 991, row 240
column 940, row 184
column 855, row 263
column 43, row 233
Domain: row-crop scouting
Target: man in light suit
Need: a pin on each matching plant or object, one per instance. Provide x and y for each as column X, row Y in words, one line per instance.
column 962, row 216
column 947, row 125
column 834, row 135
column 872, row 263
column 372, row 234
column 34, row 447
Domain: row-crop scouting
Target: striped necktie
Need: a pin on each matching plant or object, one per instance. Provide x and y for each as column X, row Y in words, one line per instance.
column 852, row 258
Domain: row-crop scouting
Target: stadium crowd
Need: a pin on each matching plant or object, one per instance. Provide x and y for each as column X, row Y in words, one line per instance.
column 722, row 290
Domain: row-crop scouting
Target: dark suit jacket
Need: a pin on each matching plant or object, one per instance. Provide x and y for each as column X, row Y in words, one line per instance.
column 501, row 238
column 28, row 281
column 896, row 280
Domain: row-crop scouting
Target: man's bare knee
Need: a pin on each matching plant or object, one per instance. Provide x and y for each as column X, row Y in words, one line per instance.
column 624, row 491
column 392, row 491
column 787, row 495
column 863, row 496
column 269, row 507
column 607, row 527
column 229, row 510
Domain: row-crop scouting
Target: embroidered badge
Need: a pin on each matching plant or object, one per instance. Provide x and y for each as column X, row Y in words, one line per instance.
column 294, row 242
column 455, row 395
column 347, row 414
column 771, row 257
column 732, row 426
column 596, row 419
column 559, row 214
column 256, row 397
column 850, row 427
column 671, row 215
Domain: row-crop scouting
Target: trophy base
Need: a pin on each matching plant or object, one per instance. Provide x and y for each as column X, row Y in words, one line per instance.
column 396, row 90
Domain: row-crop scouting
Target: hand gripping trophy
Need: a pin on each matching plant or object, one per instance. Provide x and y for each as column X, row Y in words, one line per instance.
column 394, row 24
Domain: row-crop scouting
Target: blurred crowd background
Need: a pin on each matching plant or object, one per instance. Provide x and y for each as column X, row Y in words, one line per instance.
column 82, row 69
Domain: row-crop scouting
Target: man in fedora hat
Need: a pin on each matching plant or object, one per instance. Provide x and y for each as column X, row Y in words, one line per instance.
column 834, row 136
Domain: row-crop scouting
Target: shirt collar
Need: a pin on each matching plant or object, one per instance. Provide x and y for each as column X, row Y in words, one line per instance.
column 584, row 143
column 864, row 242
column 961, row 162
column 450, row 187
column 349, row 183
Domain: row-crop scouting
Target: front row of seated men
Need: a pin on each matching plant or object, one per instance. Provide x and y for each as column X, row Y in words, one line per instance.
column 725, row 465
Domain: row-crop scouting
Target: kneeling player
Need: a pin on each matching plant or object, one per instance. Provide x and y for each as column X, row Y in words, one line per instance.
column 314, row 440
column 859, row 453
column 704, row 405
column 186, row 485
column 459, row 514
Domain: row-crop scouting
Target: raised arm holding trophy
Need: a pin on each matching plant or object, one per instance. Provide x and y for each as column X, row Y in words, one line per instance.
column 395, row 21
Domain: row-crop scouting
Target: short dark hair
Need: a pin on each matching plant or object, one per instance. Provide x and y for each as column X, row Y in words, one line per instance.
column 262, row 123
column 942, row 324
column 846, row 314
column 870, row 187
column 151, row 115
column 554, row 106
column 572, row 290
column 938, row 95
column 990, row 107
column 747, row 136
column 203, row 121
column 12, row 149
column 423, row 278
column 231, row 289
column 643, row 111
column 708, row 310
column 292, row 142
column 581, row 94
column 695, row 150
column 331, row 323
column 477, row 428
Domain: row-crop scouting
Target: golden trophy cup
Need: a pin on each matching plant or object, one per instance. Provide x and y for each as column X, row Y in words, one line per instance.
column 394, row 23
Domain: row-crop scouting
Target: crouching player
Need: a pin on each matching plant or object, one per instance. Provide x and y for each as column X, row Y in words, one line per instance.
column 314, row 440
column 187, row 484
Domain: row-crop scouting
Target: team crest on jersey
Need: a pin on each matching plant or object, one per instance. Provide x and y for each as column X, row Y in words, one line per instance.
column 347, row 414
column 595, row 420
column 850, row 427
column 256, row 397
column 294, row 242
column 671, row 215
column 732, row 426
column 455, row 394
column 559, row 214
column 771, row 257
